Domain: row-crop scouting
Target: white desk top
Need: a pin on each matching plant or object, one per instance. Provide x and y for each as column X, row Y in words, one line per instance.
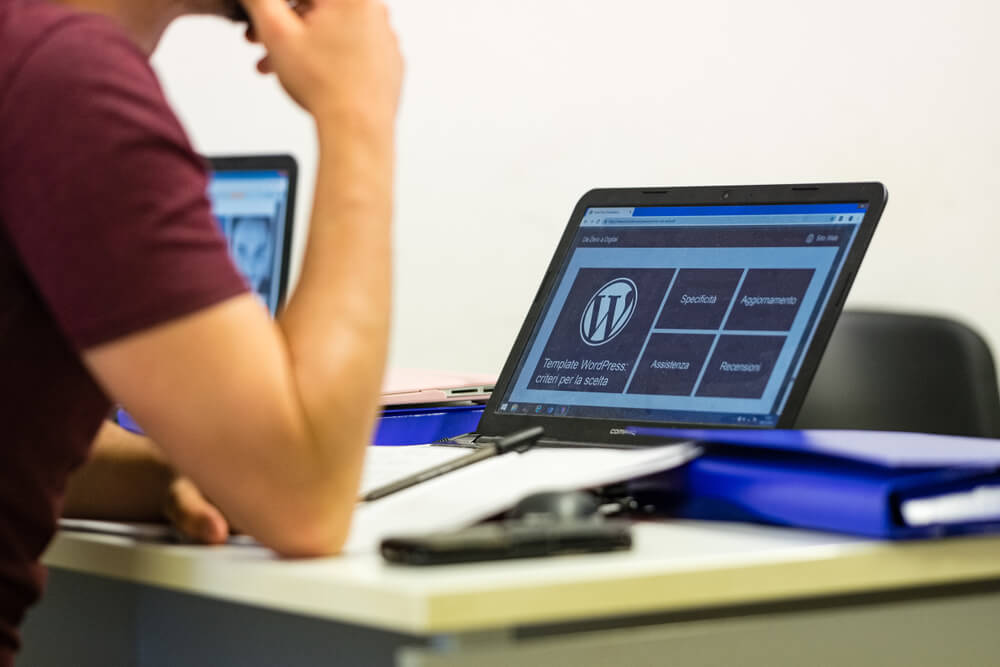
column 673, row 566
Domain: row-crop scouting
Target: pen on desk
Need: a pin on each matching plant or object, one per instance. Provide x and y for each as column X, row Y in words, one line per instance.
column 519, row 441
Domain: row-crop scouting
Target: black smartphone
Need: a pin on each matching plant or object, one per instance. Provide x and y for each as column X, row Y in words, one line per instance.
column 508, row 539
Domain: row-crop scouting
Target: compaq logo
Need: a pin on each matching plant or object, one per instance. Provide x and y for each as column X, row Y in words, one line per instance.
column 608, row 311
column 620, row 431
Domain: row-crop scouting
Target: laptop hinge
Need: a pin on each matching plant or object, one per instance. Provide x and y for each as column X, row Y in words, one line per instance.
column 475, row 440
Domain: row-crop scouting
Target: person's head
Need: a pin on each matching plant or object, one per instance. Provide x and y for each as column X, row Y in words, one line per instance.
column 230, row 9
column 253, row 249
column 146, row 20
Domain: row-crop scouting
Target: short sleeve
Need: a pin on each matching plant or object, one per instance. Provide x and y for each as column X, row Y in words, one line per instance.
column 101, row 194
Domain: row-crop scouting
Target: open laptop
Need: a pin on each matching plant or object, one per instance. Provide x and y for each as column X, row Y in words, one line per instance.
column 703, row 307
column 253, row 199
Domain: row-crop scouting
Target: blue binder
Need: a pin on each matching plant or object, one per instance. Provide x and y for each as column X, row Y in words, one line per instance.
column 401, row 426
column 854, row 482
column 411, row 426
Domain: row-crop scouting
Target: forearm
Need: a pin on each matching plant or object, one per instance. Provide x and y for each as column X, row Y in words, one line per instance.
column 338, row 318
column 336, row 326
column 126, row 478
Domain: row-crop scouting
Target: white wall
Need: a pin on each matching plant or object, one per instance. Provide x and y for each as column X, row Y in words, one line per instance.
column 514, row 108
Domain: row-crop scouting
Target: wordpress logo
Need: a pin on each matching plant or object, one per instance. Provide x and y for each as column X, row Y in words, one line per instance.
column 608, row 311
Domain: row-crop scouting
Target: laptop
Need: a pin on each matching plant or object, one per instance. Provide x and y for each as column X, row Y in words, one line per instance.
column 688, row 307
column 253, row 200
column 411, row 386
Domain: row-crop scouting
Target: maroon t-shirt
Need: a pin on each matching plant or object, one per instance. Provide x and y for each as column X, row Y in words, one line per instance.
column 105, row 230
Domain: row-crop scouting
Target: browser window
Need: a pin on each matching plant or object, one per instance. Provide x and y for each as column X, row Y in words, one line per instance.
column 697, row 314
column 250, row 209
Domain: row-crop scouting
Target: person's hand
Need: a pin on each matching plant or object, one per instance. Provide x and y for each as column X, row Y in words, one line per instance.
column 127, row 478
column 334, row 57
column 193, row 515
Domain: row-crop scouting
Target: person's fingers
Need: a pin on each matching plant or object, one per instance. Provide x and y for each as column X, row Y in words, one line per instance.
column 271, row 19
column 301, row 7
column 193, row 515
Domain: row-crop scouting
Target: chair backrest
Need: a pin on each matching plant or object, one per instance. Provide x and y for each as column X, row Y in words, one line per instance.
column 901, row 372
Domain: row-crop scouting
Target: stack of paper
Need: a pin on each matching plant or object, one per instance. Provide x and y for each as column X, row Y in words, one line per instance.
column 468, row 495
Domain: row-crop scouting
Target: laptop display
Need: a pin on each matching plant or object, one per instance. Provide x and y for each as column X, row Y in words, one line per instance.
column 253, row 199
column 705, row 309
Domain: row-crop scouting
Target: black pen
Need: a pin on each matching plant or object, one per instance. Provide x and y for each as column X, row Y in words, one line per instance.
column 521, row 441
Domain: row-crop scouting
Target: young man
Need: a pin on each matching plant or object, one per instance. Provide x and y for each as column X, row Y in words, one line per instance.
column 116, row 286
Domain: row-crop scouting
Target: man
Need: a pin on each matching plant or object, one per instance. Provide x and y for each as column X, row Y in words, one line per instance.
column 116, row 286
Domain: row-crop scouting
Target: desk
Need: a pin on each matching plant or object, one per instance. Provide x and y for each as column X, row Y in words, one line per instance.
column 689, row 593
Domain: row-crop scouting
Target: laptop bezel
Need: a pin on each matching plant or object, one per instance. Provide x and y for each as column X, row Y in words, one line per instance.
column 269, row 162
column 614, row 432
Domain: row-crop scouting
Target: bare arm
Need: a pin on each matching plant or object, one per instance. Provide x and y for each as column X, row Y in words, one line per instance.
column 127, row 477
column 271, row 419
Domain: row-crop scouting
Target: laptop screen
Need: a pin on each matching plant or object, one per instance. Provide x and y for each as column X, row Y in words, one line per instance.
column 251, row 206
column 685, row 314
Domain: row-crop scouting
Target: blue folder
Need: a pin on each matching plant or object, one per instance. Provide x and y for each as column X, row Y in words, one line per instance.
column 411, row 426
column 852, row 482
column 401, row 426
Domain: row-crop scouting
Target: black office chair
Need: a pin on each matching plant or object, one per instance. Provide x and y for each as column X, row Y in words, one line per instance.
column 900, row 372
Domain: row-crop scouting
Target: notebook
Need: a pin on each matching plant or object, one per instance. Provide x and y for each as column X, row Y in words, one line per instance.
column 702, row 307
column 408, row 386
column 253, row 200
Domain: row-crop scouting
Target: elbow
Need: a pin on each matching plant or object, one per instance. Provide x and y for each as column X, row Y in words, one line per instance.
column 315, row 535
column 308, row 546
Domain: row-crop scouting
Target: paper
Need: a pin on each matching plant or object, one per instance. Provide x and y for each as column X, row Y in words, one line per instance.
column 144, row 531
column 468, row 495
column 979, row 504
column 135, row 529
column 885, row 448
column 384, row 465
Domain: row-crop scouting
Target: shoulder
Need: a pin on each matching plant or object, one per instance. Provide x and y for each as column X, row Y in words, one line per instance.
column 73, row 76
column 51, row 49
